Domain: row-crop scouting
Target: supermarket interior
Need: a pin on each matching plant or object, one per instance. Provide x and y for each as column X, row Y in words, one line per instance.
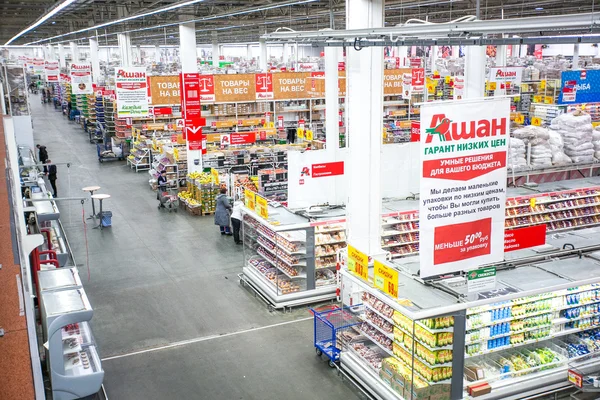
column 327, row 199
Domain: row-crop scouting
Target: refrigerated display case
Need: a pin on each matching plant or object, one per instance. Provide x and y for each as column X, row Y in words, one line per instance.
column 73, row 362
column 289, row 259
column 437, row 340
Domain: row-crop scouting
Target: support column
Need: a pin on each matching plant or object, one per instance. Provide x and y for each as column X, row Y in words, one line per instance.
column 74, row 52
column 365, row 126
column 61, row 56
column 157, row 54
column 332, row 129
column 296, row 56
column 402, row 52
column 95, row 56
column 263, row 55
column 215, row 50
column 286, row 53
column 51, row 53
column 500, row 62
column 434, row 56
column 125, row 49
column 474, row 71
column 575, row 56
column 248, row 52
column 187, row 42
column 455, row 51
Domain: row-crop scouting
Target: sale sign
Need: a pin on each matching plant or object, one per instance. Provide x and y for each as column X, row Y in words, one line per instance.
column 358, row 263
column 131, row 90
column 81, row 78
column 385, row 278
column 415, row 131
column 52, row 71
column 190, row 96
column 463, row 185
column 264, row 86
column 327, row 169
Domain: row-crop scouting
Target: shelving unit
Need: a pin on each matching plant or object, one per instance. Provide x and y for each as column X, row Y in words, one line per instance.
column 139, row 158
column 282, row 264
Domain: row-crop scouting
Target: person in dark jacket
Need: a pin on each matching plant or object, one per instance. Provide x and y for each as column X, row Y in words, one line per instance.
column 222, row 212
column 51, row 172
column 161, row 184
column 42, row 154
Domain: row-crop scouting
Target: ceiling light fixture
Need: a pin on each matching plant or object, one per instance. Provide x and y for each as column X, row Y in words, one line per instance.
column 539, row 8
column 43, row 19
column 212, row 17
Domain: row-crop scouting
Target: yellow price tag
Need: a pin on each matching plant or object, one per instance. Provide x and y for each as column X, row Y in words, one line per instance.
column 583, row 106
column 517, row 99
column 176, row 154
column 548, row 100
column 309, row 134
column 385, row 279
column 524, row 87
column 493, row 85
column 532, row 202
column 215, row 176
column 250, row 199
column 543, row 84
column 536, row 121
column 537, row 99
column 447, row 79
column 440, row 93
column 300, row 133
column 358, row 263
column 262, row 207
column 520, row 119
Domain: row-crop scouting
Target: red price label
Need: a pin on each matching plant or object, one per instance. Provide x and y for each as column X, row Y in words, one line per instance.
column 458, row 242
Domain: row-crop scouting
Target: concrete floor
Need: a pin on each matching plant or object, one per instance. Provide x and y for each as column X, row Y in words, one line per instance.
column 159, row 278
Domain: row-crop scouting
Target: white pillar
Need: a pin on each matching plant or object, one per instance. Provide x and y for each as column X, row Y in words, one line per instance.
column 286, row 53
column 364, row 107
column 402, row 53
column 434, row 56
column 455, row 51
column 332, row 129
column 500, row 62
column 248, row 52
column 51, row 53
column 95, row 56
column 215, row 50
column 474, row 71
column 61, row 56
column 187, row 41
column 296, row 56
column 157, row 54
column 74, row 52
column 575, row 56
column 262, row 44
column 125, row 49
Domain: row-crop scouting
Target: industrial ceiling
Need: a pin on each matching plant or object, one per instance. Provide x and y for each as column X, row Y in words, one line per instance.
column 239, row 21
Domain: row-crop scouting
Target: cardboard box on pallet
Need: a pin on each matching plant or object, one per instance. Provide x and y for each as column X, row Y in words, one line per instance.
column 398, row 384
column 386, row 377
column 439, row 392
column 414, row 391
column 388, row 366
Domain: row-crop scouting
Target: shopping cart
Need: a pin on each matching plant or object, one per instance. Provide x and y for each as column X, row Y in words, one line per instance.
column 168, row 198
column 328, row 327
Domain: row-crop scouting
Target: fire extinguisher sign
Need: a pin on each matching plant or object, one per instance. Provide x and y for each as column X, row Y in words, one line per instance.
column 463, row 187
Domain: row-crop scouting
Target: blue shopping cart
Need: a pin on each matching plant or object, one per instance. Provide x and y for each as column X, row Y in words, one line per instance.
column 328, row 325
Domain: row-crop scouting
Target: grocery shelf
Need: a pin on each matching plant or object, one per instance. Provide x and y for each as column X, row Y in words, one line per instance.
column 513, row 318
column 359, row 370
column 551, row 210
column 421, row 359
column 534, row 328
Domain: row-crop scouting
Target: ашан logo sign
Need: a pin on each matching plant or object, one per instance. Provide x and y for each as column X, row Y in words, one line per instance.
column 80, row 66
column 128, row 74
column 506, row 74
column 445, row 130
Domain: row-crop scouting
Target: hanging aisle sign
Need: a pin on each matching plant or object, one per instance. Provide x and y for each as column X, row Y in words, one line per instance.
column 38, row 66
column 506, row 74
column 264, row 86
column 463, row 187
column 132, row 94
column 52, row 71
column 81, row 78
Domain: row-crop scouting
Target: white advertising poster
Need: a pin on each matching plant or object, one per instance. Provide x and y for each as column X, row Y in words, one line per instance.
column 506, row 74
column 52, row 71
column 132, row 93
column 463, row 185
column 81, row 78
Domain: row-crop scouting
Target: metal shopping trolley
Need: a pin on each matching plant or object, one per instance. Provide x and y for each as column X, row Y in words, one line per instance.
column 168, row 198
column 329, row 326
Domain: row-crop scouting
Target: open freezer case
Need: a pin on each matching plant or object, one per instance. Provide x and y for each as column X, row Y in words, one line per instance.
column 290, row 260
column 72, row 358
column 435, row 340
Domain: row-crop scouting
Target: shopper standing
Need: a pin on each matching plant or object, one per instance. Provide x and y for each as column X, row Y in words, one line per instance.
column 42, row 154
column 51, row 172
column 161, row 185
column 222, row 212
column 236, row 219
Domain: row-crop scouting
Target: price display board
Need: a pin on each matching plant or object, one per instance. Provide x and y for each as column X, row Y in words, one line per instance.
column 358, row 263
column 250, row 199
column 385, row 279
column 262, row 207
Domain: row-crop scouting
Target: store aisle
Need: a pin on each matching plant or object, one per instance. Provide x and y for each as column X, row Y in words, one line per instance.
column 158, row 278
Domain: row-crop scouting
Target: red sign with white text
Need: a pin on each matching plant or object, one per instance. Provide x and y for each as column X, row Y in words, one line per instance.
column 418, row 77
column 190, row 96
column 158, row 111
column 242, row 138
column 457, row 242
column 264, row 86
column 207, row 88
column 523, row 238
column 327, row 169
column 464, row 168
column 415, row 131
column 193, row 134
